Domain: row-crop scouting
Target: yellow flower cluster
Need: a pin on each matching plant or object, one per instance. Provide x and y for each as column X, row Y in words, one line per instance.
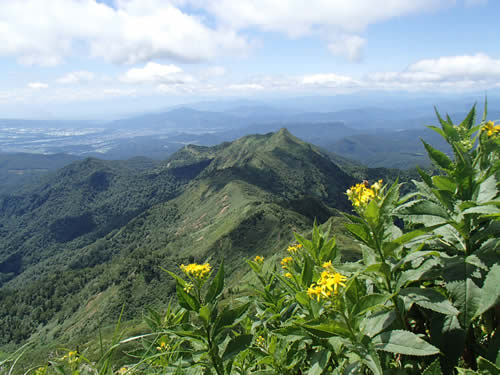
column 71, row 357
column 329, row 282
column 286, row 261
column 361, row 194
column 260, row 341
column 288, row 275
column 258, row 259
column 294, row 249
column 163, row 346
column 491, row 129
column 199, row 271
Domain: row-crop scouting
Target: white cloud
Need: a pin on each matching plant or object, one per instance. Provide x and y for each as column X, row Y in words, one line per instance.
column 137, row 31
column 246, row 86
column 37, row 85
column 298, row 17
column 472, row 66
column 46, row 32
column 157, row 73
column 348, row 46
column 76, row 77
column 328, row 80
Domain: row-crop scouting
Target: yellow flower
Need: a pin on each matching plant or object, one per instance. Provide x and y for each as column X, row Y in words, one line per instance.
column 328, row 282
column 491, row 129
column 122, row 370
column 314, row 292
column 289, row 275
column 199, row 271
column 331, row 281
column 361, row 194
column 163, row 346
column 258, row 259
column 292, row 249
column 327, row 264
column 260, row 341
column 285, row 261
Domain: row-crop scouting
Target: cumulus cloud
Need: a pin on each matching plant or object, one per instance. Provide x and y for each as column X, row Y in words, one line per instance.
column 348, row 46
column 46, row 32
column 37, row 85
column 157, row 73
column 137, row 31
column 76, row 77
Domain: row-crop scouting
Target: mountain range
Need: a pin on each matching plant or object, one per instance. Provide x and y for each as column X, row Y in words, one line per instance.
column 93, row 236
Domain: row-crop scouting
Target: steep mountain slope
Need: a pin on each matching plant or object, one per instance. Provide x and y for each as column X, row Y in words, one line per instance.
column 231, row 201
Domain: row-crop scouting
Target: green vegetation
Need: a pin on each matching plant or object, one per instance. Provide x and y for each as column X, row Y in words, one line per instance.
column 421, row 297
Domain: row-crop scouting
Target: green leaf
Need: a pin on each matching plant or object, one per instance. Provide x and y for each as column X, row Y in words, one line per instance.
column 186, row 300
column 466, row 297
column 175, row 277
column 307, row 271
column 319, row 362
column 486, row 367
column 483, row 210
column 369, row 302
column 377, row 322
column 490, row 292
column 228, row 318
column 328, row 328
column 360, row 231
column 372, row 213
column 236, row 345
column 437, row 130
column 428, row 299
column 433, row 369
column 468, row 122
column 425, row 177
column 216, row 286
column 487, row 190
column 205, row 313
column 438, row 157
column 444, row 183
column 403, row 342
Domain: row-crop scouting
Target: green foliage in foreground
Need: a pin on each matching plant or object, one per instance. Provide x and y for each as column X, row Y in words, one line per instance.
column 424, row 298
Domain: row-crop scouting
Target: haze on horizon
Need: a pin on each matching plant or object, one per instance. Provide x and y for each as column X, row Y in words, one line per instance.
column 98, row 58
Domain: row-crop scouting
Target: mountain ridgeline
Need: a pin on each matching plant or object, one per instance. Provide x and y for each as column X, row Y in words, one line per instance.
column 94, row 235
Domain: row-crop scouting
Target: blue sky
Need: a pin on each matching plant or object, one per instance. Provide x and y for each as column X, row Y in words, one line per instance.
column 61, row 57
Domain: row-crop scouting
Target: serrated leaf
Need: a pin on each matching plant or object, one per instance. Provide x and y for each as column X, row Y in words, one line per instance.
column 377, row 322
column 359, row 231
column 319, row 362
column 217, row 285
column 186, row 300
column 466, row 296
column 403, row 342
column 486, row 367
column 487, row 190
column 327, row 329
column 428, row 299
column 438, row 157
column 444, row 183
column 369, row 302
column 468, row 122
column 433, row 369
column 483, row 210
column 490, row 292
column 236, row 345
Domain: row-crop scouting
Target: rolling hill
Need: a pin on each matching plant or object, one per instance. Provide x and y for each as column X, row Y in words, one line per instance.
column 94, row 236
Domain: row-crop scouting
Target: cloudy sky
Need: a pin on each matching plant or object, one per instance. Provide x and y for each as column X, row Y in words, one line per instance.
column 55, row 53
